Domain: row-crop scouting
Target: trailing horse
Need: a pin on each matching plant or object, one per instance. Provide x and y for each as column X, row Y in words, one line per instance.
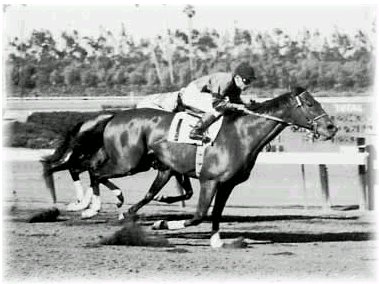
column 74, row 154
column 132, row 136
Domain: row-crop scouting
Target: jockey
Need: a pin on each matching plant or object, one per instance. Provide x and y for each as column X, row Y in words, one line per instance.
column 216, row 93
column 211, row 94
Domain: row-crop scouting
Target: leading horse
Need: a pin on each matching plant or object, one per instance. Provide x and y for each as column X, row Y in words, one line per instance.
column 131, row 136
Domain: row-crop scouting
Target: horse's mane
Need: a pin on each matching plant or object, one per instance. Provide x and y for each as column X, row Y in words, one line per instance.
column 275, row 103
column 268, row 105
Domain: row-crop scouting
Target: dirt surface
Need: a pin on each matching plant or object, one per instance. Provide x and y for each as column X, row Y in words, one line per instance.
column 285, row 243
column 290, row 244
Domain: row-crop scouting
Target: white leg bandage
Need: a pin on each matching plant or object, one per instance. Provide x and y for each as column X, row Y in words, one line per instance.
column 87, row 196
column 78, row 190
column 117, row 192
column 95, row 202
column 94, row 207
column 175, row 225
column 83, row 198
column 216, row 242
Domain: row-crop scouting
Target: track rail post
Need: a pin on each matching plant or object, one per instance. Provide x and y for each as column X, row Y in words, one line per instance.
column 363, row 176
column 324, row 179
column 370, row 175
column 305, row 193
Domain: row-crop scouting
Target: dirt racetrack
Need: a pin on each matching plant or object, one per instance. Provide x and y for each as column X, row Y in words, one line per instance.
column 284, row 242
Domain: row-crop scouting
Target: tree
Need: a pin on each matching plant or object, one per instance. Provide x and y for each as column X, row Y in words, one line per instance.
column 189, row 10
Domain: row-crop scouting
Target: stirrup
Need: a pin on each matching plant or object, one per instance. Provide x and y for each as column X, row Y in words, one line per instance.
column 201, row 137
column 196, row 136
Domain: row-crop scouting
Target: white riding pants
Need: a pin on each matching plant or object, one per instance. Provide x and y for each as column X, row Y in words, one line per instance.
column 202, row 101
column 165, row 101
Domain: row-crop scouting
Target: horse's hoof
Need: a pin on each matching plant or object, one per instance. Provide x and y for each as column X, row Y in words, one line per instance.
column 216, row 242
column 77, row 206
column 87, row 197
column 89, row 213
column 160, row 198
column 121, row 217
column 160, row 225
column 120, row 200
column 93, row 209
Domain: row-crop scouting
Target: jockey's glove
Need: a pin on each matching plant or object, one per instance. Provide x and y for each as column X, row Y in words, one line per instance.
column 239, row 108
column 223, row 106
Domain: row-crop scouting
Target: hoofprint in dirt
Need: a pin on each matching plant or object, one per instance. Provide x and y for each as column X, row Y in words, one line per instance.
column 281, row 244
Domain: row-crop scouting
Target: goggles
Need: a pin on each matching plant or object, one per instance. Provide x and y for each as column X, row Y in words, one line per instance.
column 246, row 81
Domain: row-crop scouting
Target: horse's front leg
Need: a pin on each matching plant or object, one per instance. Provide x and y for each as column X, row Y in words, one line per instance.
column 221, row 197
column 160, row 181
column 185, row 184
column 207, row 192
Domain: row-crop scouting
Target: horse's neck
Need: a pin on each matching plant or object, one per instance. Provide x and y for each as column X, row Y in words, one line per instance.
column 268, row 129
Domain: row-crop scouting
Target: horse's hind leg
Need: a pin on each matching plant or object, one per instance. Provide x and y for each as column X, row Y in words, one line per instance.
column 185, row 184
column 83, row 197
column 95, row 203
column 115, row 190
column 160, row 181
column 118, row 193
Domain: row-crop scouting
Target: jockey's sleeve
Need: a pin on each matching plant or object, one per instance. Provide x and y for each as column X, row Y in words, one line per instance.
column 221, row 87
column 236, row 99
column 221, row 104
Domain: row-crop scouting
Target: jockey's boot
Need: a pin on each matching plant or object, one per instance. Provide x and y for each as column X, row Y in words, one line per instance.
column 197, row 133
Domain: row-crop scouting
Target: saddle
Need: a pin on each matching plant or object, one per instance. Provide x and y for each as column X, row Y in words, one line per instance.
column 183, row 123
column 180, row 129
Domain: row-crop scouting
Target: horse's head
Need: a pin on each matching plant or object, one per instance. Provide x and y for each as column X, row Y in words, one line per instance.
column 308, row 113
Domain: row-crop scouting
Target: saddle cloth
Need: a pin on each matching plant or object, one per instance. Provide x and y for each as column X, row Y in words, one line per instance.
column 180, row 129
column 182, row 125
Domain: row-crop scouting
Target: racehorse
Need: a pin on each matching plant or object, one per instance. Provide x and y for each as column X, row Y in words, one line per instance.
column 74, row 154
column 130, row 137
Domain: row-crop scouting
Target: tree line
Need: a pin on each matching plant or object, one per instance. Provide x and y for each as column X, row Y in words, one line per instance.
column 72, row 63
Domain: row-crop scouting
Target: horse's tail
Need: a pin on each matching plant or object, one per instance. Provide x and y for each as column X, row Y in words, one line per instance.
column 83, row 140
column 58, row 160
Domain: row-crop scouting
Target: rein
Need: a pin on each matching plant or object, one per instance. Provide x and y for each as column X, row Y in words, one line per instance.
column 268, row 117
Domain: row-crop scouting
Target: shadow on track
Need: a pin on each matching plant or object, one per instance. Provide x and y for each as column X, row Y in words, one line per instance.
column 147, row 219
column 279, row 237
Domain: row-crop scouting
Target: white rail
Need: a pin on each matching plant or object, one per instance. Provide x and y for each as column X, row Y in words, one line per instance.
column 362, row 160
column 310, row 158
column 277, row 158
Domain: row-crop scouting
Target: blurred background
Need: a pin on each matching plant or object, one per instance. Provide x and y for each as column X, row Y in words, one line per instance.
column 115, row 50
column 114, row 55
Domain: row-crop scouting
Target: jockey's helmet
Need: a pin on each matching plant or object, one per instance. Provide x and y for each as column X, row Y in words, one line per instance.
column 246, row 72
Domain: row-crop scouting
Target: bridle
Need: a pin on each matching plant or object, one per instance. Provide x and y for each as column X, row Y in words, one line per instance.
column 311, row 122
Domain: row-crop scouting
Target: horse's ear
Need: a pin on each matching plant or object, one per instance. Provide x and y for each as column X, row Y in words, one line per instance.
column 297, row 90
